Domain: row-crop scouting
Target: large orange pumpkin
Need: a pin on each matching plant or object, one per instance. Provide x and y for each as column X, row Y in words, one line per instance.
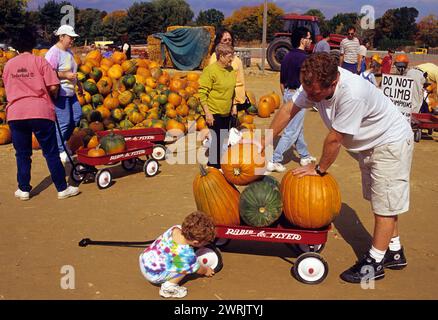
column 310, row 202
column 216, row 197
column 243, row 164
column 270, row 100
column 264, row 109
column 5, row 135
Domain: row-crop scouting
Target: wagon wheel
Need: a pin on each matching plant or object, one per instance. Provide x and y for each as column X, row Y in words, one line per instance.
column 158, row 152
column 417, row 135
column 151, row 167
column 103, row 178
column 129, row 164
column 210, row 256
column 310, row 268
column 78, row 173
column 221, row 242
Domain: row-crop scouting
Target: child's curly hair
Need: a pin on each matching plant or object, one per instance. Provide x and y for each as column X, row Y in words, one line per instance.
column 198, row 226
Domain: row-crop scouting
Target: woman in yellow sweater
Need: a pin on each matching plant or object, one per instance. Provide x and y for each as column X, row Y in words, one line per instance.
column 216, row 93
column 225, row 36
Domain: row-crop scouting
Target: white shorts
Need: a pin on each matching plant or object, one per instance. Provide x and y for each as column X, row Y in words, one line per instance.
column 385, row 176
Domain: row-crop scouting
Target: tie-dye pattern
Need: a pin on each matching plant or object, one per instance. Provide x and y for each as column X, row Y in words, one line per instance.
column 165, row 259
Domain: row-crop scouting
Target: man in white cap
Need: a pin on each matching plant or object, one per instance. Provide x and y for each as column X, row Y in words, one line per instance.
column 68, row 109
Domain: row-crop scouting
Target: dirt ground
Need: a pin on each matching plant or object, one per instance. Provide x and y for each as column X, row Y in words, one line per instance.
column 39, row 238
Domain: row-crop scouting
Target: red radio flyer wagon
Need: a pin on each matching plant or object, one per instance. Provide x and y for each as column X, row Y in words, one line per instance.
column 309, row 267
column 420, row 121
column 129, row 158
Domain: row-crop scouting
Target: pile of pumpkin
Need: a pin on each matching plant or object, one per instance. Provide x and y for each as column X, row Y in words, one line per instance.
column 310, row 202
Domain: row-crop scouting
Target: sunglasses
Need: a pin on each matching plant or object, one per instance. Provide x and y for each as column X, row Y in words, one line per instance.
column 227, row 40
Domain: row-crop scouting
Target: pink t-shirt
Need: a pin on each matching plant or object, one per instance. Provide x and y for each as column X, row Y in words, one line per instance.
column 26, row 78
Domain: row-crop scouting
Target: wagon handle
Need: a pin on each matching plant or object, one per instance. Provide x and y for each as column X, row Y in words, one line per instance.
column 87, row 241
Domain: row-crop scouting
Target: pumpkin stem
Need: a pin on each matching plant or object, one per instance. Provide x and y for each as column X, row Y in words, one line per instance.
column 236, row 171
column 262, row 210
column 204, row 171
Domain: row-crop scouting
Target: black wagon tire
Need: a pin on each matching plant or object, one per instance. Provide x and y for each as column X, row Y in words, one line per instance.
column 104, row 178
column 77, row 173
column 210, row 255
column 151, row 167
column 159, row 152
column 129, row 164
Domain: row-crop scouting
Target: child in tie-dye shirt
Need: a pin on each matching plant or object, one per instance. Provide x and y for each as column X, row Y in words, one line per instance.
column 171, row 256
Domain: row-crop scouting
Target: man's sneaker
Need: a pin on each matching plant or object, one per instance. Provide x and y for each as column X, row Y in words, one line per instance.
column 395, row 260
column 172, row 290
column 275, row 166
column 63, row 156
column 69, row 192
column 22, row 195
column 307, row 160
column 364, row 270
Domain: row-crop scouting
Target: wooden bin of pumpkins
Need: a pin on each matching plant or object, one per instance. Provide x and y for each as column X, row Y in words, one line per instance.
column 297, row 211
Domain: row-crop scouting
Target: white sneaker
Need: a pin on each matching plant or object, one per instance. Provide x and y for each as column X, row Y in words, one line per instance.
column 307, row 160
column 69, row 192
column 22, row 195
column 275, row 166
column 63, row 156
column 172, row 290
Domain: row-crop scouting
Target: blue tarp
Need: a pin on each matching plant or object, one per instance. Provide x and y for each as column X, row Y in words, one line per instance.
column 187, row 46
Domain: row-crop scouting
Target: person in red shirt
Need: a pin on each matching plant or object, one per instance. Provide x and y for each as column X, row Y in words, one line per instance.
column 30, row 84
column 387, row 62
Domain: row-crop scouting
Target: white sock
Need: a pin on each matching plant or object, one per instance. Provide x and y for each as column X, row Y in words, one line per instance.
column 377, row 254
column 169, row 284
column 395, row 245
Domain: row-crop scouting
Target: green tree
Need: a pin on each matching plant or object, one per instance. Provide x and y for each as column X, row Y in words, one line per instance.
column 428, row 31
column 89, row 24
column 114, row 25
column 142, row 20
column 396, row 26
column 50, row 17
column 342, row 21
column 13, row 18
column 323, row 23
column 173, row 13
column 210, row 17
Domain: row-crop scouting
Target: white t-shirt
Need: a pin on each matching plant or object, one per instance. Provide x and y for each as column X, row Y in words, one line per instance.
column 362, row 51
column 361, row 111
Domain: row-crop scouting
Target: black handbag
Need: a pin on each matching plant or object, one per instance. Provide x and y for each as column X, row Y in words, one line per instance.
column 245, row 105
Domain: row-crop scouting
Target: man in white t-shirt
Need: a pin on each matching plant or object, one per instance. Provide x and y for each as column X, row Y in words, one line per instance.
column 364, row 121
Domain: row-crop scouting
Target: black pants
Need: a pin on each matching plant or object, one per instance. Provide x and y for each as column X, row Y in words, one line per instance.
column 219, row 134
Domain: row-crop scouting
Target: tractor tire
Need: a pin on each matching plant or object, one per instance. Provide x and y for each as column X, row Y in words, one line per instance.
column 277, row 50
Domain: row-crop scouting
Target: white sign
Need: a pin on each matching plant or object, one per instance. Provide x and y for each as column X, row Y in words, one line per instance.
column 399, row 90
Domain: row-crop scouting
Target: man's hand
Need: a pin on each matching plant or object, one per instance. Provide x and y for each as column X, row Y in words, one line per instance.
column 234, row 110
column 308, row 170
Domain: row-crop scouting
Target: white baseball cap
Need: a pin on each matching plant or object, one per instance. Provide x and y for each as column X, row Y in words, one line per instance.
column 66, row 29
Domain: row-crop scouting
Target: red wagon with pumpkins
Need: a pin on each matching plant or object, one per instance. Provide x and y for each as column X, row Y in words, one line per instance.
column 298, row 212
column 135, row 145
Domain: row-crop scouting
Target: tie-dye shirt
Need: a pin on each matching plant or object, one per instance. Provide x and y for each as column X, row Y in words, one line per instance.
column 61, row 60
column 165, row 259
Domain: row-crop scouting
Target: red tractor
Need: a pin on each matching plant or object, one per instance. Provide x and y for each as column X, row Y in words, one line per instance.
column 281, row 45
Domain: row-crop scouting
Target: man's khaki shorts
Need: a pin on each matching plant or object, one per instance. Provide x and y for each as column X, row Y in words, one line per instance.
column 385, row 176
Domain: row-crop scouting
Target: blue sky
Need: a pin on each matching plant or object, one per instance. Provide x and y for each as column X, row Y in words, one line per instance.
column 329, row 8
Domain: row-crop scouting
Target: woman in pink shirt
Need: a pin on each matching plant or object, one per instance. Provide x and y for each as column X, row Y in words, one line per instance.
column 30, row 82
column 68, row 109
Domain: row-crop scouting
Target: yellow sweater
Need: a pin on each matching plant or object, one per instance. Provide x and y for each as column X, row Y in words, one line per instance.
column 216, row 88
column 237, row 65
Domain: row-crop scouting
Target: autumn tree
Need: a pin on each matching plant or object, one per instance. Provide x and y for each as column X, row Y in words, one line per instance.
column 427, row 34
column 247, row 22
column 89, row 24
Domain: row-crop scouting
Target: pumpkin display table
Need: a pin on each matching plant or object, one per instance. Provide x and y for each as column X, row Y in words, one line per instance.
column 309, row 268
column 129, row 158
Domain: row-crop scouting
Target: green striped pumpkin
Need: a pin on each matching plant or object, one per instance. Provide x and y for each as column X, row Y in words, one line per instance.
column 260, row 204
